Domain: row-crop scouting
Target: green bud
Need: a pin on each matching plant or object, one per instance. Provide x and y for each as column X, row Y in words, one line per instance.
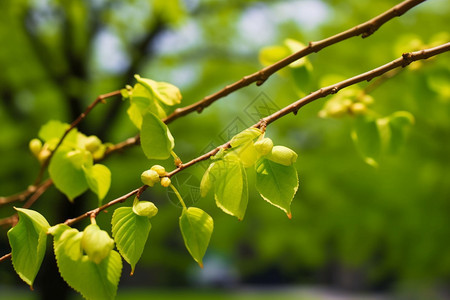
column 149, row 177
column 35, row 146
column 358, row 108
column 144, row 208
column 264, row 146
column 44, row 154
column 165, row 181
column 96, row 243
column 282, row 155
column 159, row 169
column 92, row 143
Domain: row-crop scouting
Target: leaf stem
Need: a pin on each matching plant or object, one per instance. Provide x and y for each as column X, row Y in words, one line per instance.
column 178, row 196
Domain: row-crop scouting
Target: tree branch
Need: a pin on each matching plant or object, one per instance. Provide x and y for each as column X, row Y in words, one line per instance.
column 403, row 61
column 364, row 29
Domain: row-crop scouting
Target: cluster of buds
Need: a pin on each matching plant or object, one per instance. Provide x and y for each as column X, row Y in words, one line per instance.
column 351, row 102
column 154, row 175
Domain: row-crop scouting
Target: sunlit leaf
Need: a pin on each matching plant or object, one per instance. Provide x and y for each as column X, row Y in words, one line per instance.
column 130, row 232
column 28, row 243
column 156, row 140
column 276, row 183
column 98, row 178
column 230, row 186
column 245, row 136
column 93, row 281
column 162, row 91
column 70, row 180
column 196, row 227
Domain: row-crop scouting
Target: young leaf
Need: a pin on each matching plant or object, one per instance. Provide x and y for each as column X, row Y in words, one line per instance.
column 53, row 130
column 245, row 136
column 98, row 178
column 247, row 154
column 28, row 243
column 165, row 92
column 366, row 137
column 141, row 102
column 66, row 177
column 399, row 123
column 196, row 227
column 230, row 186
column 276, row 183
column 93, row 281
column 130, row 232
column 156, row 140
column 206, row 183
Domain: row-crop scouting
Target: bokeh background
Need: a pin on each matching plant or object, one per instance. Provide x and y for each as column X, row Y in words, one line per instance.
column 356, row 230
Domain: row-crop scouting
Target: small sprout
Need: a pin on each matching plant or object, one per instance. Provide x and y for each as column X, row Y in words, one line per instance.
column 282, row 155
column 367, row 99
column 35, row 147
column 159, row 169
column 165, row 181
column 177, row 161
column 149, row 177
column 96, row 243
column 264, row 146
column 92, row 143
column 144, row 208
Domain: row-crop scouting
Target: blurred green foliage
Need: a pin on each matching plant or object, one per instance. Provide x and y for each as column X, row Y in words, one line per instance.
column 390, row 222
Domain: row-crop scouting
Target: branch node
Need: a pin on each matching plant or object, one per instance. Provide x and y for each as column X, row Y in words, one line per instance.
column 407, row 59
column 334, row 90
column 199, row 109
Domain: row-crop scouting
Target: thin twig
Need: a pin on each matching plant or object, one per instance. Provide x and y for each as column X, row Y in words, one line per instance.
column 32, row 189
column 365, row 29
column 403, row 61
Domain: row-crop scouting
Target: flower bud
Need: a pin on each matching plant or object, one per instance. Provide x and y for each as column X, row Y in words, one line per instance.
column 96, row 243
column 165, row 181
column 149, row 177
column 92, row 143
column 144, row 208
column 35, row 146
column 282, row 155
column 264, row 146
column 44, row 154
column 358, row 108
column 159, row 169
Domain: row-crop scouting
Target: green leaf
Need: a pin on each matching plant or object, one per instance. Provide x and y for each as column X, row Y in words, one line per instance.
column 276, row 183
column 162, row 91
column 98, row 178
column 93, row 281
column 67, row 178
column 196, row 227
column 28, row 243
column 245, row 136
column 366, row 137
column 399, row 124
column 230, row 186
column 156, row 140
column 130, row 232
column 206, row 183
column 53, row 131
column 141, row 102
column 247, row 154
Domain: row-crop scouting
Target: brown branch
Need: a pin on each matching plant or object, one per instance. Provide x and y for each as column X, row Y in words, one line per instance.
column 5, row 257
column 403, row 61
column 33, row 189
column 364, row 29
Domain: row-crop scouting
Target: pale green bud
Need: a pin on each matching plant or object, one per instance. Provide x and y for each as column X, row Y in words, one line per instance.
column 282, row 155
column 144, row 208
column 149, row 177
column 96, row 243
column 159, row 169
column 92, row 143
column 264, row 146
column 35, row 147
column 165, row 181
